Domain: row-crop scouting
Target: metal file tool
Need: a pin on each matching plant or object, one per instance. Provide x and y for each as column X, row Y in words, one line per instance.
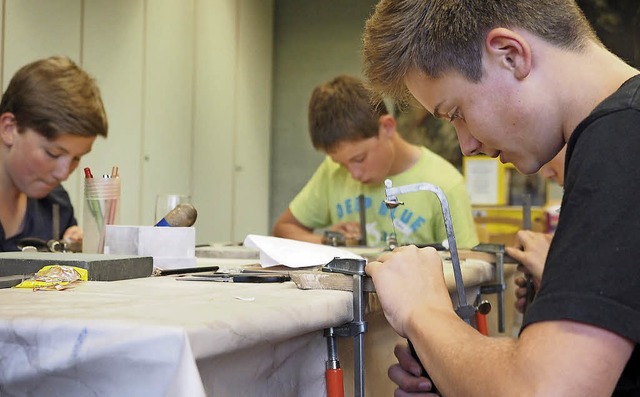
column 464, row 310
column 356, row 268
column 362, row 210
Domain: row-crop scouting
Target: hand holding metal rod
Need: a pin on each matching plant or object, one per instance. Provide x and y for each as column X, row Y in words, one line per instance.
column 463, row 309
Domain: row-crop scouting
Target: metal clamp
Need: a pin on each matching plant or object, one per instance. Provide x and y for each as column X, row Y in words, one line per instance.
column 500, row 285
column 358, row 326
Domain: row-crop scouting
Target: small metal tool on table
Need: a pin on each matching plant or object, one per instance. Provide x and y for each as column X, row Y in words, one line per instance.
column 184, row 270
column 362, row 210
column 464, row 310
column 34, row 244
column 333, row 238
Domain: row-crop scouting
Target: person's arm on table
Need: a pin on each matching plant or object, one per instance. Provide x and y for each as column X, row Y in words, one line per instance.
column 462, row 362
column 288, row 226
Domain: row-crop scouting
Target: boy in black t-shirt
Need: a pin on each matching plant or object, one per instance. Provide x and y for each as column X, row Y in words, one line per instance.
column 493, row 68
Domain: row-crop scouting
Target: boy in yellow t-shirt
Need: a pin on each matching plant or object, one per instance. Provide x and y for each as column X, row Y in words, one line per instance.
column 363, row 149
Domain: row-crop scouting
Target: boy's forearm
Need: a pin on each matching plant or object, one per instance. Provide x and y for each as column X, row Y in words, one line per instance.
column 295, row 232
column 541, row 362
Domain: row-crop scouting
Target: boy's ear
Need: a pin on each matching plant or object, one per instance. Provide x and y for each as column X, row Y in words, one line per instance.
column 8, row 128
column 387, row 125
column 509, row 50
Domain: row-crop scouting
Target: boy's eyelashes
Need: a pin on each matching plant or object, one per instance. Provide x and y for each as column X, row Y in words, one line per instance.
column 455, row 115
column 451, row 115
column 358, row 159
column 52, row 155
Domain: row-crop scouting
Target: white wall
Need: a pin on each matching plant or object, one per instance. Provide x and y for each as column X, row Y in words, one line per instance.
column 187, row 89
column 113, row 52
column 235, row 126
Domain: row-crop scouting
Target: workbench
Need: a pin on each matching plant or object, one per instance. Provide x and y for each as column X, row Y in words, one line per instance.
column 161, row 337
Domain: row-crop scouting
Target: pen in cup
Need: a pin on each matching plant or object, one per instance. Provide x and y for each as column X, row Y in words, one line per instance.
column 112, row 203
column 101, row 208
column 94, row 205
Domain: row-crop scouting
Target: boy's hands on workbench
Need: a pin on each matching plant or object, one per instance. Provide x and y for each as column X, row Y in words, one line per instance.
column 531, row 252
column 406, row 374
column 350, row 230
column 409, row 282
column 74, row 233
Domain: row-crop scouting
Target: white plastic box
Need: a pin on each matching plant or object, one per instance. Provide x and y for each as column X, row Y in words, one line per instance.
column 170, row 247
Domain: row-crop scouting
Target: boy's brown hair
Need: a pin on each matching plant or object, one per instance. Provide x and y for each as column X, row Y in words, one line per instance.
column 440, row 36
column 341, row 110
column 54, row 96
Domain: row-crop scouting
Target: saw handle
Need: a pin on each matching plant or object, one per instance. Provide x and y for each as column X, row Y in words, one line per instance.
column 424, row 372
column 531, row 291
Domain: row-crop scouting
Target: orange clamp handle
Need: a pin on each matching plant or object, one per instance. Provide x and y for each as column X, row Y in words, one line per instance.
column 481, row 324
column 335, row 383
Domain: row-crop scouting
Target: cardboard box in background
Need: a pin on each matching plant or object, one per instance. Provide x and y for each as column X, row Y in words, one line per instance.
column 499, row 224
column 489, row 182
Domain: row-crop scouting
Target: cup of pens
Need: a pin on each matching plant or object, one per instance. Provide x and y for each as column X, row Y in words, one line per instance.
column 101, row 208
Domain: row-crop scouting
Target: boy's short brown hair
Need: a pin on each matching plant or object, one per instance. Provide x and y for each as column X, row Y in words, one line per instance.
column 341, row 110
column 440, row 36
column 54, row 96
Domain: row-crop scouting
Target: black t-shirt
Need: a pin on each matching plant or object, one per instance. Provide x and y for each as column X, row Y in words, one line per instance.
column 38, row 220
column 592, row 273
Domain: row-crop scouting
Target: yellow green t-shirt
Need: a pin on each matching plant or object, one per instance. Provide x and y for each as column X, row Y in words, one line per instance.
column 331, row 196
